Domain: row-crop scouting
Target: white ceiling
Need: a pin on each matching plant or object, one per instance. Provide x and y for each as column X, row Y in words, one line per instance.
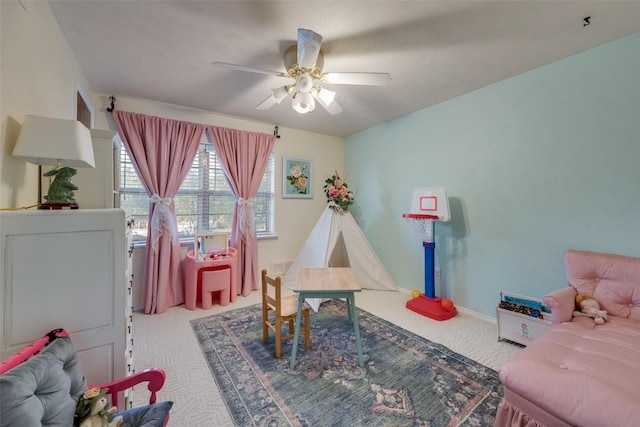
column 434, row 50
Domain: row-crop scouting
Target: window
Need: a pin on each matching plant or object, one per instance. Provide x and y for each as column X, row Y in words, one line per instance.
column 204, row 202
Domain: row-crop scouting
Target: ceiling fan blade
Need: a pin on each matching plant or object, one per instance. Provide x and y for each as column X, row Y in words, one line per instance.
column 325, row 98
column 281, row 93
column 277, row 95
column 308, row 48
column 267, row 103
column 249, row 69
column 369, row 79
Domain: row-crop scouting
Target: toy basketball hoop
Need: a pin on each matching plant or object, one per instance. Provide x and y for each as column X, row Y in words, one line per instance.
column 429, row 205
column 421, row 225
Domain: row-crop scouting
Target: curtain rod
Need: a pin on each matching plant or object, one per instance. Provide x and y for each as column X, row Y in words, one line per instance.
column 112, row 99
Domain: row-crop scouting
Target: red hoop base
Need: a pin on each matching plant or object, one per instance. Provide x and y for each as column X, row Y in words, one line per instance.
column 430, row 307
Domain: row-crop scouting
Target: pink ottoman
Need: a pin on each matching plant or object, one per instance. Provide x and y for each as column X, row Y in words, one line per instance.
column 215, row 279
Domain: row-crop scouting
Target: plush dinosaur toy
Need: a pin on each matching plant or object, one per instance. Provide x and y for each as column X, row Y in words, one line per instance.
column 590, row 307
column 93, row 411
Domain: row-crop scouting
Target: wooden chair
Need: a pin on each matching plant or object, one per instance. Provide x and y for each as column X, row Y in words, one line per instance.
column 285, row 310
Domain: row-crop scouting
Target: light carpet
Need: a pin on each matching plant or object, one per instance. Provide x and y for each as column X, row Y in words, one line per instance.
column 167, row 341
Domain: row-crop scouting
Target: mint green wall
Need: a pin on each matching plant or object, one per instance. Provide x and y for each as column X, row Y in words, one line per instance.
column 534, row 165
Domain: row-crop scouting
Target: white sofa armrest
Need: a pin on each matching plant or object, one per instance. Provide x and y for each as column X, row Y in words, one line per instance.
column 562, row 303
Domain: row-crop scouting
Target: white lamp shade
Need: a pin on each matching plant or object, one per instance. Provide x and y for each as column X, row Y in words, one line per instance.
column 304, row 83
column 45, row 141
column 303, row 102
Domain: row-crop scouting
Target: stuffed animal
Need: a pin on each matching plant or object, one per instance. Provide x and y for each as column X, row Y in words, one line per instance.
column 92, row 410
column 590, row 307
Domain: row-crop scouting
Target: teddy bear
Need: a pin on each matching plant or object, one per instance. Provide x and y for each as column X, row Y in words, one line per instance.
column 590, row 307
column 93, row 411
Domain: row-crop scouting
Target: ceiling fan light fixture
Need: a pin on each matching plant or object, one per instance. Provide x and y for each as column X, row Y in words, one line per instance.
column 303, row 102
column 304, row 83
column 304, row 62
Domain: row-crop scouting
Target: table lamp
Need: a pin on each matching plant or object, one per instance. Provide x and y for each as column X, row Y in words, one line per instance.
column 62, row 143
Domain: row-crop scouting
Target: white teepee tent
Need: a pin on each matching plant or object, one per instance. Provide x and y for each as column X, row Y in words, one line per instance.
column 337, row 241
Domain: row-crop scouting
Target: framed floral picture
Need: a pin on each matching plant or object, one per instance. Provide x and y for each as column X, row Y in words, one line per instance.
column 297, row 178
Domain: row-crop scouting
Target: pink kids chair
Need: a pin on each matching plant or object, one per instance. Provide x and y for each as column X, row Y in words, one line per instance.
column 215, row 279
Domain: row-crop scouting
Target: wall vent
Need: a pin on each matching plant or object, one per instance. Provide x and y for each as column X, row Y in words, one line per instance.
column 279, row 268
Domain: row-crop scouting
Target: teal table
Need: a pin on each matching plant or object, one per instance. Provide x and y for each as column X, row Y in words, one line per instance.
column 336, row 282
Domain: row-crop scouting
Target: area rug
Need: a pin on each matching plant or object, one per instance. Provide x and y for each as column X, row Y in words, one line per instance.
column 406, row 380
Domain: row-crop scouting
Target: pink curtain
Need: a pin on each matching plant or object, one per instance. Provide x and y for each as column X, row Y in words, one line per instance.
column 162, row 152
column 244, row 156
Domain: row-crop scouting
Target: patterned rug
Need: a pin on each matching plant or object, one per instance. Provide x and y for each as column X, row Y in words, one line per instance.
column 406, row 380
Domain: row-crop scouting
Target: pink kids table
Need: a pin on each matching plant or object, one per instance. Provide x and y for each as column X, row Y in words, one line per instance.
column 208, row 263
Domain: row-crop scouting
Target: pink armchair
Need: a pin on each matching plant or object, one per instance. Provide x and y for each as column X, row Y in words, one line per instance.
column 578, row 373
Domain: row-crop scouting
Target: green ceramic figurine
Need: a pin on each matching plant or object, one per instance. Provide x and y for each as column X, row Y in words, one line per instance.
column 61, row 189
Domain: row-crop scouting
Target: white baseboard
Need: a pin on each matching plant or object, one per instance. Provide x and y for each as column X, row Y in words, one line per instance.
column 477, row 315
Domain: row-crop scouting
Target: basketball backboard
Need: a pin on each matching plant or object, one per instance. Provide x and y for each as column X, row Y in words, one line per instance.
column 430, row 201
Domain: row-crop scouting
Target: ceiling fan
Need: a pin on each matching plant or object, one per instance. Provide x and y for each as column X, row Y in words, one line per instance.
column 303, row 62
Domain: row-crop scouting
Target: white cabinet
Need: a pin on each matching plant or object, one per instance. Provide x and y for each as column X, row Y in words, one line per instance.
column 128, row 309
column 95, row 186
column 68, row 269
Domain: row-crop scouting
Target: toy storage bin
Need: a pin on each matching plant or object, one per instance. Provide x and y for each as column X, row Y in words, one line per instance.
column 518, row 327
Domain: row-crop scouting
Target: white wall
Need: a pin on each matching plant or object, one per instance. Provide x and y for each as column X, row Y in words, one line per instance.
column 39, row 75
